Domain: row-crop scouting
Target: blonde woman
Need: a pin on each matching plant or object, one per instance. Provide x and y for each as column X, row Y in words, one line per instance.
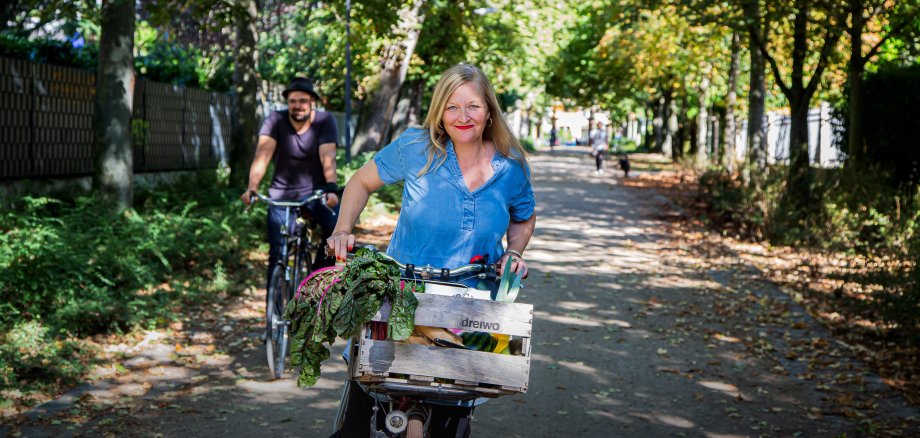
column 467, row 182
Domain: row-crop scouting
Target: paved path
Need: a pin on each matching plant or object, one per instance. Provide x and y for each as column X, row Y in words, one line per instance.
column 635, row 334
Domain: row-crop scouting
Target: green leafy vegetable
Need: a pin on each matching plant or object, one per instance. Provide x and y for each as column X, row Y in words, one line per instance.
column 338, row 302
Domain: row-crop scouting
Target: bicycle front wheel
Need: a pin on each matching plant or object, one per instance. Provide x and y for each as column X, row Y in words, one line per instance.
column 276, row 328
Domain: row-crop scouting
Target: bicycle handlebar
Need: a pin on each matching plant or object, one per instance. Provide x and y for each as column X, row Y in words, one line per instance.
column 429, row 272
column 317, row 194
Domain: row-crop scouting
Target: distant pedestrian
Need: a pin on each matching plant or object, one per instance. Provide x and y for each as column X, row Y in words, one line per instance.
column 624, row 164
column 599, row 147
column 553, row 137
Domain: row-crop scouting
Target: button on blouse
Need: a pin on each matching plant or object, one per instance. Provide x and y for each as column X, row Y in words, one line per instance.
column 442, row 223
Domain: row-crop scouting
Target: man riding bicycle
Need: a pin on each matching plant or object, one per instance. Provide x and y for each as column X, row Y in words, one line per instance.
column 300, row 142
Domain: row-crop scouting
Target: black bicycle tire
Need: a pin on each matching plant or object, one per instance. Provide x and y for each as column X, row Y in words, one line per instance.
column 304, row 266
column 272, row 311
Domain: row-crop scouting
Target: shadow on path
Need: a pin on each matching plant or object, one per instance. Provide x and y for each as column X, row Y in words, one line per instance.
column 634, row 335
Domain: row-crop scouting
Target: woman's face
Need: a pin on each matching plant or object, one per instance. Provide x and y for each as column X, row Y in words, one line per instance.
column 465, row 115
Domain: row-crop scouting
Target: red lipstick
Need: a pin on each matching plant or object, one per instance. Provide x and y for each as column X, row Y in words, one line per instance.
column 465, row 127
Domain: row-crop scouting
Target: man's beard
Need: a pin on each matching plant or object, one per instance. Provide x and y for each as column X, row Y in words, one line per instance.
column 300, row 118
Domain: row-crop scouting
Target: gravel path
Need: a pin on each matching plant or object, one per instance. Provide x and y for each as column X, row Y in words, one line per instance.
column 635, row 334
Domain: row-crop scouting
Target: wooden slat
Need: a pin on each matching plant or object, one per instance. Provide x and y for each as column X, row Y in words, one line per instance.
column 513, row 319
column 484, row 391
column 446, row 363
column 421, row 379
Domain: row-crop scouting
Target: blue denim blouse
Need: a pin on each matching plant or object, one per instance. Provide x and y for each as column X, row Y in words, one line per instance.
column 442, row 223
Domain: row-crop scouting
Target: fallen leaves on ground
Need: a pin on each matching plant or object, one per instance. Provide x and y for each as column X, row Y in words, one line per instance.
column 813, row 279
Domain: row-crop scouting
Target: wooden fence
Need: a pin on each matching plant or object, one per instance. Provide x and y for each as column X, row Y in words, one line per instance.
column 46, row 123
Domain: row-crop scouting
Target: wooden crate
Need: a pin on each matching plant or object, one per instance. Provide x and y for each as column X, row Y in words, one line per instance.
column 490, row 374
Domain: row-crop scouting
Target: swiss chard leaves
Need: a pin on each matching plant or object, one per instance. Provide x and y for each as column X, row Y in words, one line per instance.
column 355, row 296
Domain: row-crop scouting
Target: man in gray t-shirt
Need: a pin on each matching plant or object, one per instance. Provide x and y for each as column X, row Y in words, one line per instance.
column 300, row 142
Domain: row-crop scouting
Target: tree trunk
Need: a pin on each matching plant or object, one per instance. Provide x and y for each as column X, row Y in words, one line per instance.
column 113, row 168
column 590, row 125
column 693, row 130
column 798, row 95
column 757, row 141
column 670, row 147
column 659, row 108
column 800, row 175
column 246, row 89
column 729, row 154
column 403, row 115
column 375, row 119
column 702, row 120
column 648, row 131
column 855, row 70
column 714, row 145
column 681, row 136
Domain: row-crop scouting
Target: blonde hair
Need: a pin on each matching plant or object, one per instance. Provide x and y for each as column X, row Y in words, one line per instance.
column 497, row 131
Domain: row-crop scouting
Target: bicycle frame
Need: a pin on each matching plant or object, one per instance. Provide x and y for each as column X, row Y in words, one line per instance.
column 276, row 326
column 297, row 206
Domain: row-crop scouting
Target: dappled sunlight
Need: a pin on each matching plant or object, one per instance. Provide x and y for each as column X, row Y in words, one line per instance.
column 580, row 367
column 723, row 338
column 679, row 282
column 618, row 323
column 537, row 357
column 725, row 388
column 284, row 388
column 675, row 421
column 575, row 305
column 566, row 320
column 723, row 435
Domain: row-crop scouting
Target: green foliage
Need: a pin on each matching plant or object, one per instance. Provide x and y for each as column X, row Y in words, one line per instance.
column 859, row 213
column 84, row 269
column 163, row 59
column 30, row 351
column 325, row 311
column 49, row 51
column 625, row 145
column 388, row 198
column 527, row 142
column 75, row 268
column 736, row 206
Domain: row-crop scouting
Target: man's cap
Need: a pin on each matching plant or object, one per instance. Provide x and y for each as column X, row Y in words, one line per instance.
column 300, row 84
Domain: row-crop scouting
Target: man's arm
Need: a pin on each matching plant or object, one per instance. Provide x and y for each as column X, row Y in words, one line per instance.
column 264, row 152
column 327, row 158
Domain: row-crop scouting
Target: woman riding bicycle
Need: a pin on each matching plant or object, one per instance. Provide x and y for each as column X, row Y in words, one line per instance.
column 466, row 184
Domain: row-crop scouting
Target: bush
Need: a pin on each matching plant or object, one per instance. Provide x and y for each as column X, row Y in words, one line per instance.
column 81, row 268
column 527, row 142
column 624, row 145
column 857, row 212
column 29, row 352
column 388, row 198
column 49, row 51
column 744, row 209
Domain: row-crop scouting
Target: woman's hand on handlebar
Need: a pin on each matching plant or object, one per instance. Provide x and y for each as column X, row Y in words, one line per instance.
column 518, row 265
column 340, row 242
